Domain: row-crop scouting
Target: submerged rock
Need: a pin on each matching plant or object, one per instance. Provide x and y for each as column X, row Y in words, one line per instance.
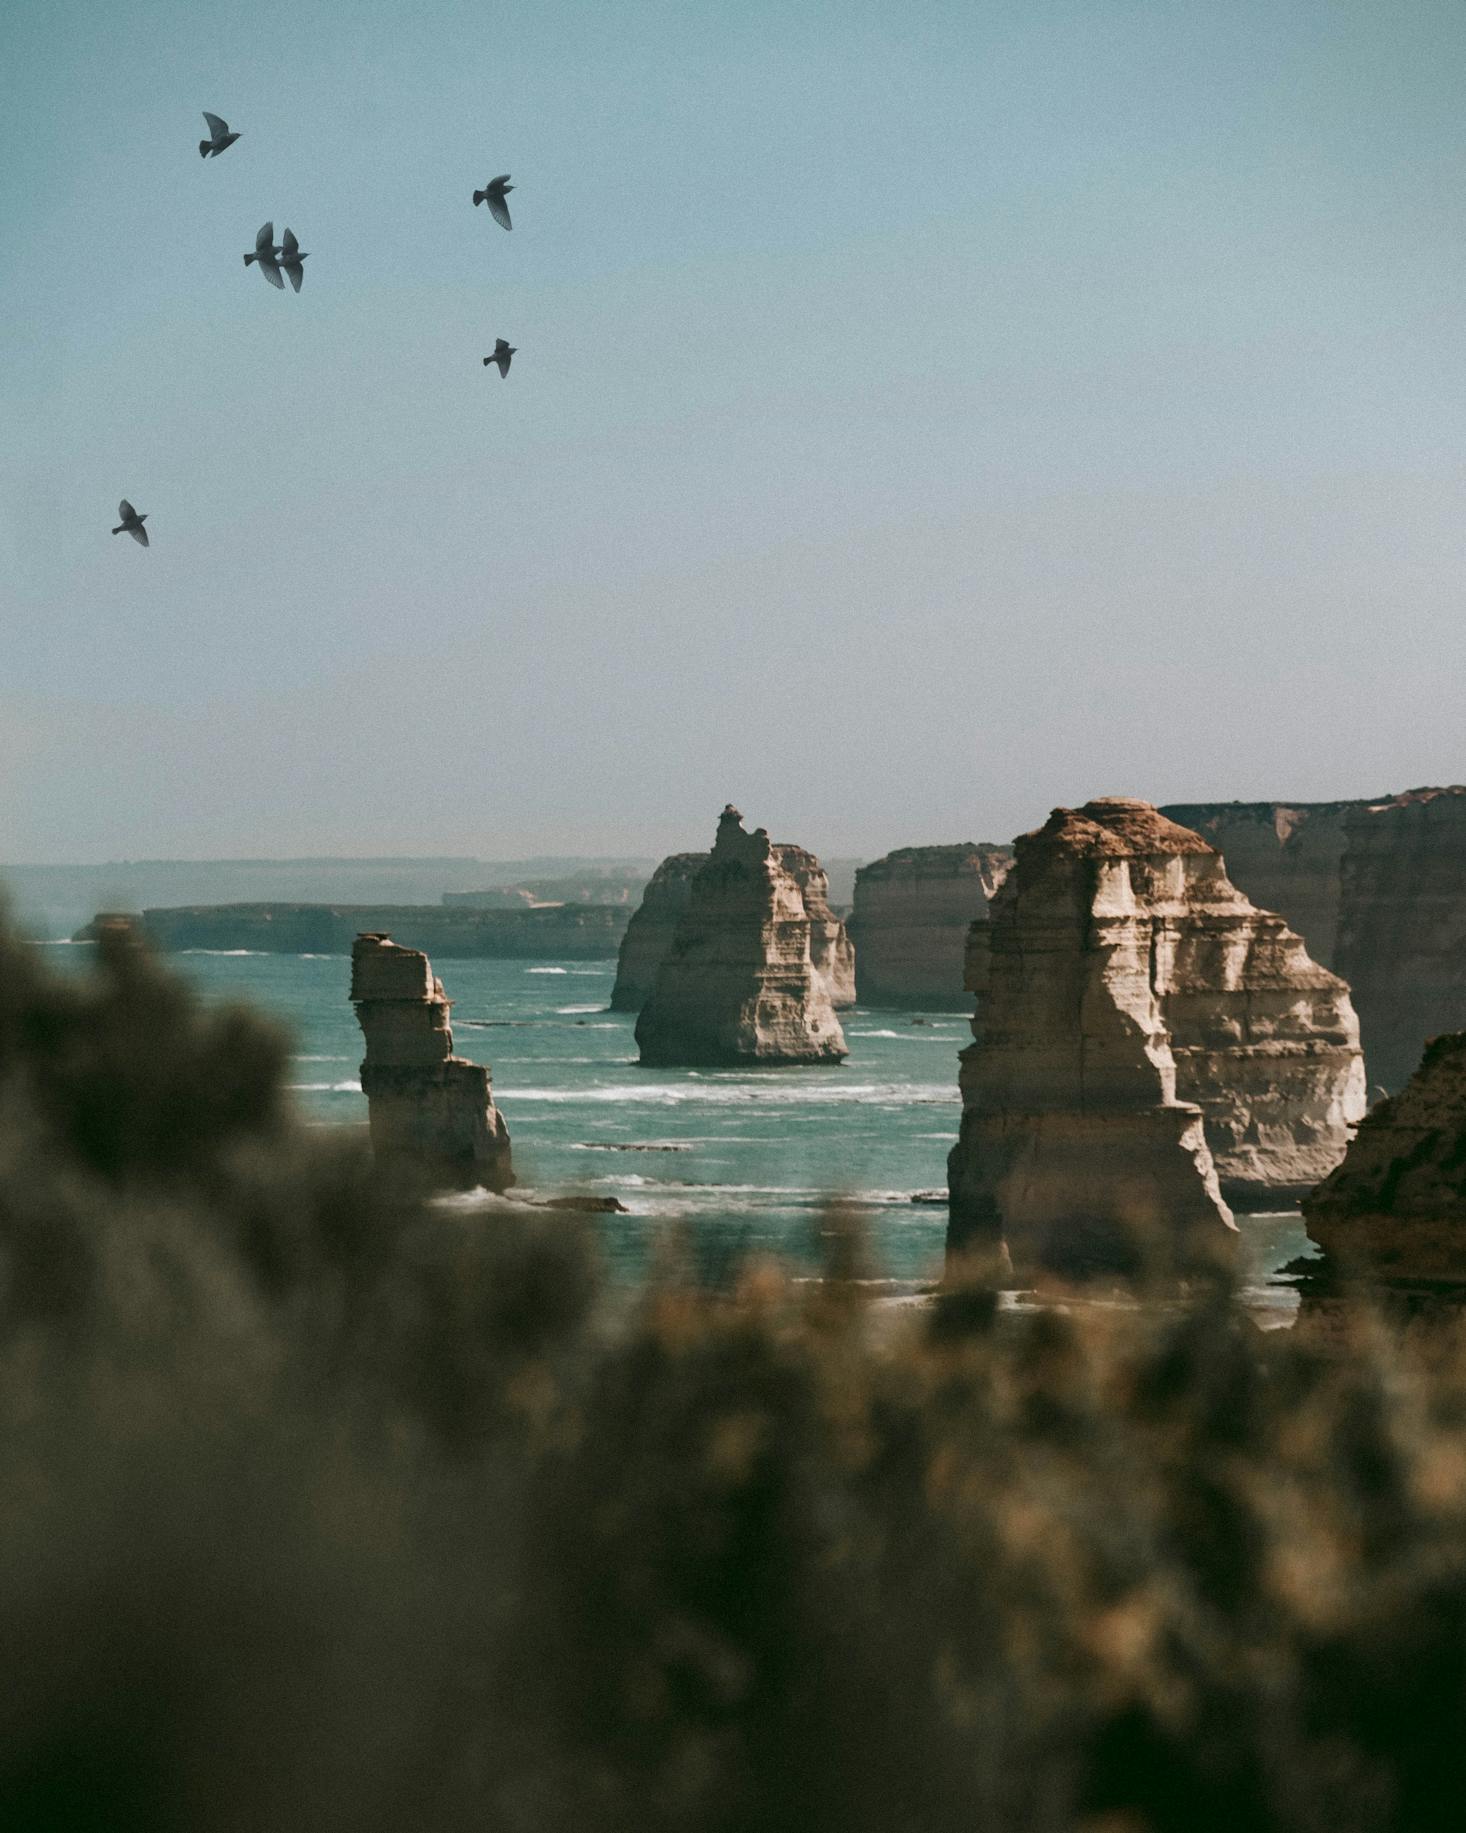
column 748, row 978
column 432, row 1114
column 650, row 931
column 913, row 910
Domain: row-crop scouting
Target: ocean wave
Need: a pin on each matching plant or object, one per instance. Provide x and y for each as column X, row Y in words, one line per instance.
column 308, row 1059
column 769, row 1094
column 325, row 1088
column 547, row 970
column 226, row 951
column 569, row 1011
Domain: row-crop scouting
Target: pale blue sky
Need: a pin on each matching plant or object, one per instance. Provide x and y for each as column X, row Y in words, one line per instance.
column 924, row 414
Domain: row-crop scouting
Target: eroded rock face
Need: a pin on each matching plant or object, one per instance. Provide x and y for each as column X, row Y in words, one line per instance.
column 432, row 1114
column 1263, row 1040
column 1402, row 927
column 748, row 976
column 831, row 952
column 1395, row 1208
column 1074, row 1149
column 1284, row 856
column 913, row 911
column 649, row 935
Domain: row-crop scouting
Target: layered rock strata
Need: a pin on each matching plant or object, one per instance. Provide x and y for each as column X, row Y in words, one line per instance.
column 1395, row 1208
column 1121, row 972
column 1074, row 1151
column 649, row 934
column 742, row 981
column 1284, row 856
column 913, row 911
column 432, row 1114
column 1402, row 925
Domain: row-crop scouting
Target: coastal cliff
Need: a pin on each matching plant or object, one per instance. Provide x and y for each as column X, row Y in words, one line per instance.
column 1402, row 929
column 913, row 910
column 1075, row 1154
column 1395, row 1208
column 432, row 1114
column 651, row 929
column 565, row 931
column 741, row 982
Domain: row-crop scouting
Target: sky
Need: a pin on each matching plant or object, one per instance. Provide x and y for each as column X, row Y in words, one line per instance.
column 923, row 416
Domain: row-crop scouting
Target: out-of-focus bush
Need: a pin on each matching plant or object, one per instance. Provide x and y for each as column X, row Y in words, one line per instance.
column 322, row 1509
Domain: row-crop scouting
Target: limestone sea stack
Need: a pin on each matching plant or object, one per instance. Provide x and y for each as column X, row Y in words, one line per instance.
column 741, row 983
column 1395, row 1208
column 913, row 910
column 831, row 951
column 1074, row 1150
column 432, row 1114
column 649, row 934
column 1402, row 925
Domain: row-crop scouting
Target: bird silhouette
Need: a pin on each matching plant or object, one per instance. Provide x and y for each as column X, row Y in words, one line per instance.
column 291, row 256
column 219, row 136
column 494, row 194
column 266, row 253
column 131, row 522
column 501, row 356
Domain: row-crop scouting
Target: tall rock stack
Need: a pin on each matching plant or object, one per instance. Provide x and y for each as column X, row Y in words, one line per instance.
column 649, row 934
column 1074, row 1150
column 1402, row 925
column 740, row 983
column 913, row 910
column 432, row 1114
column 1123, row 980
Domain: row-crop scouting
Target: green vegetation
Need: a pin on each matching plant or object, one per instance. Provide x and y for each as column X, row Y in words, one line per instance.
column 320, row 1508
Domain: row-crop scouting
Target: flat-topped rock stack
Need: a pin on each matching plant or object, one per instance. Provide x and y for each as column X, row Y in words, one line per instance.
column 913, row 910
column 432, row 1114
column 649, row 934
column 748, row 975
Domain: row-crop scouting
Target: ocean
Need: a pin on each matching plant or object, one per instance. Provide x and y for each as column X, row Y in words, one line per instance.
column 747, row 1160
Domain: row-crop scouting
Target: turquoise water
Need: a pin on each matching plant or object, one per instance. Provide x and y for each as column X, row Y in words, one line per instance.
column 756, row 1155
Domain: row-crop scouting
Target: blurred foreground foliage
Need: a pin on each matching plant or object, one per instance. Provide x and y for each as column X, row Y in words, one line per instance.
column 321, row 1508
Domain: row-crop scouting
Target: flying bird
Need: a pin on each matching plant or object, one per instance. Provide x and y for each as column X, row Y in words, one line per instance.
column 266, row 254
column 219, row 136
column 494, row 195
column 131, row 522
column 501, row 356
column 291, row 256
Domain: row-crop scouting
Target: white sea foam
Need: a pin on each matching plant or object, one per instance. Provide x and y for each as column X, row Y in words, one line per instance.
column 547, row 970
column 773, row 1093
column 326, row 1088
column 567, row 1011
column 308, row 1059
column 225, row 951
